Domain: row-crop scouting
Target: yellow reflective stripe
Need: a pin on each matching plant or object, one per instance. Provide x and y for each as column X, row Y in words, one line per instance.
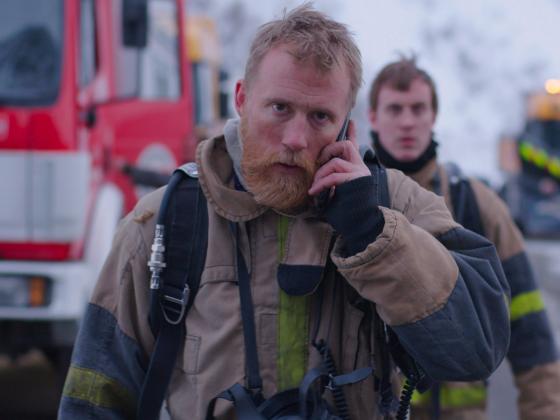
column 525, row 304
column 98, row 389
column 282, row 232
column 472, row 395
column 421, row 399
column 292, row 340
column 554, row 167
column 525, row 150
column 540, row 158
column 293, row 319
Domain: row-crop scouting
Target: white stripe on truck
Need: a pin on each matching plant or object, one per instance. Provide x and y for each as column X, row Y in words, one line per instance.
column 43, row 196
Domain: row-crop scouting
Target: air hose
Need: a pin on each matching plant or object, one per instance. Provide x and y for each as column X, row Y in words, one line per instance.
column 406, row 397
column 338, row 393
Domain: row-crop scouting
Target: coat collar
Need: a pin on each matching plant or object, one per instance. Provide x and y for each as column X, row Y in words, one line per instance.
column 426, row 175
column 217, row 183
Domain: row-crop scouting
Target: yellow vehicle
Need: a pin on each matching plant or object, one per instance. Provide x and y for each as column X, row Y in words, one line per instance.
column 532, row 164
column 203, row 53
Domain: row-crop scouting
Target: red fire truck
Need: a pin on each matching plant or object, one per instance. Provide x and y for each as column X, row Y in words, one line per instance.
column 86, row 86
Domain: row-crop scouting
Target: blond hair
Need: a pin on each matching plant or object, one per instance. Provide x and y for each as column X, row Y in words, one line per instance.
column 311, row 35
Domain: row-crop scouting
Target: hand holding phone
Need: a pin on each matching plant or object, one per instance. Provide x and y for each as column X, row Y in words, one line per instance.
column 323, row 197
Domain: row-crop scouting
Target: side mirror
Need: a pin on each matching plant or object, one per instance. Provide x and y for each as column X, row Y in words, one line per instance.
column 135, row 23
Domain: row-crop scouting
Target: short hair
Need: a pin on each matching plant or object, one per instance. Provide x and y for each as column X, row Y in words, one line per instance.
column 311, row 35
column 399, row 75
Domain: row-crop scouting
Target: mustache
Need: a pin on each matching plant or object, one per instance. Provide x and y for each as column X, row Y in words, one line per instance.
column 291, row 159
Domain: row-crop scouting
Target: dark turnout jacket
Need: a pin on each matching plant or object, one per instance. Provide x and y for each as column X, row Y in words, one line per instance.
column 439, row 286
column 532, row 353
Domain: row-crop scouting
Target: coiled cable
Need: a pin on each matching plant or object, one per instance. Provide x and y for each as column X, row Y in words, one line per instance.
column 338, row 393
column 406, row 397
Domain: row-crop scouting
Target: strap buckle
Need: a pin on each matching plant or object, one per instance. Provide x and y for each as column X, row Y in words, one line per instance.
column 353, row 377
column 331, row 384
column 175, row 305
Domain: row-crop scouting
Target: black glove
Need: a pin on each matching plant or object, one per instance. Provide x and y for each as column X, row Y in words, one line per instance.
column 354, row 214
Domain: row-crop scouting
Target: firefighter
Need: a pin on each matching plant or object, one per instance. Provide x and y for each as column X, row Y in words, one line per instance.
column 403, row 108
column 281, row 297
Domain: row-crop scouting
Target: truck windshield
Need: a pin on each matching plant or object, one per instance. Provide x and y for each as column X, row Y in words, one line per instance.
column 30, row 51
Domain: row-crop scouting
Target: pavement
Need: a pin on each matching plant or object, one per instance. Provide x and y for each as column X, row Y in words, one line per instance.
column 545, row 260
column 29, row 387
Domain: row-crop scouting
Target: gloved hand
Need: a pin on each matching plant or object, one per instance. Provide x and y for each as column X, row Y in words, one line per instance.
column 353, row 212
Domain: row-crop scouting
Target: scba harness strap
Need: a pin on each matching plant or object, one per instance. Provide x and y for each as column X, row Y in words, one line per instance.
column 176, row 262
column 305, row 402
column 463, row 199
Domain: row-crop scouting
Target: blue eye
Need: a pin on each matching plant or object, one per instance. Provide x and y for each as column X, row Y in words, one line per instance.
column 321, row 116
column 279, row 107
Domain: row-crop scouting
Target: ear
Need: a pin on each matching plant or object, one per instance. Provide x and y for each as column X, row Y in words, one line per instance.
column 240, row 96
column 373, row 119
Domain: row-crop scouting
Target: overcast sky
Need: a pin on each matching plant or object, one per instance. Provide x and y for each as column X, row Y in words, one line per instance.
column 485, row 55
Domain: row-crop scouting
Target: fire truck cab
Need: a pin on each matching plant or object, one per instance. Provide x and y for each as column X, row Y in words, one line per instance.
column 86, row 86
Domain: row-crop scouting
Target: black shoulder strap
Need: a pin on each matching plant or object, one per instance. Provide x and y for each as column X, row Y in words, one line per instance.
column 463, row 200
column 254, row 379
column 183, row 225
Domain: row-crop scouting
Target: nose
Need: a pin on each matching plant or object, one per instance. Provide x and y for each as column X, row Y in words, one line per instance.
column 295, row 135
column 407, row 118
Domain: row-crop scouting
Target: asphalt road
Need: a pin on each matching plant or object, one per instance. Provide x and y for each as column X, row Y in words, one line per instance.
column 545, row 259
column 30, row 390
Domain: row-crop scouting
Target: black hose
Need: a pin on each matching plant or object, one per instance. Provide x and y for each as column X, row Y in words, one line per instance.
column 155, row 314
column 173, row 181
column 406, row 397
column 338, row 393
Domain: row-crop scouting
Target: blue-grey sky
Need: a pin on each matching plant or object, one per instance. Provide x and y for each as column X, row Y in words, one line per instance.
column 485, row 55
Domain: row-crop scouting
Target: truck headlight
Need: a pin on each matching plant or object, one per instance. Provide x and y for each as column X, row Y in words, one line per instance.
column 21, row 291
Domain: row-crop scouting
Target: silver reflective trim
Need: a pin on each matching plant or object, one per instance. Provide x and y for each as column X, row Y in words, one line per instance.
column 191, row 169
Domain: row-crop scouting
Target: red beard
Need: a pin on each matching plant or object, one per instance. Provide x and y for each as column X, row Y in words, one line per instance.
column 280, row 191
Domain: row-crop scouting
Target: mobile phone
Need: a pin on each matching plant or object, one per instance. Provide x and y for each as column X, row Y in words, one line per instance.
column 323, row 197
column 343, row 135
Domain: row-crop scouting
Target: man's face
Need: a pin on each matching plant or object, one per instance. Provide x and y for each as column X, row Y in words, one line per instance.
column 289, row 112
column 404, row 120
